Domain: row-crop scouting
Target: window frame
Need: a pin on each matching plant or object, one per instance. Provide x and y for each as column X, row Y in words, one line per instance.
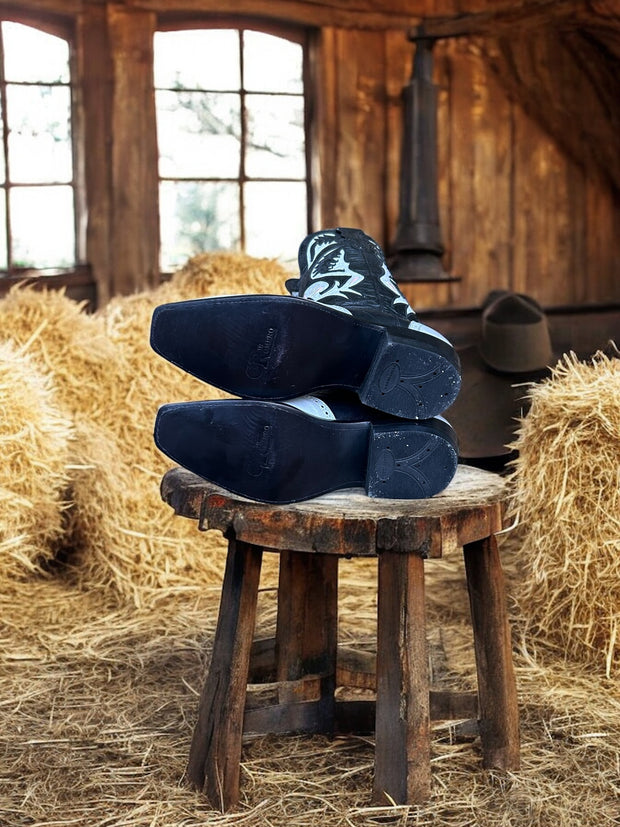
column 305, row 36
column 80, row 273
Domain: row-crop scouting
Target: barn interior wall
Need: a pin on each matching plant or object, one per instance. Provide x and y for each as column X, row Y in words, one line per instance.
column 517, row 210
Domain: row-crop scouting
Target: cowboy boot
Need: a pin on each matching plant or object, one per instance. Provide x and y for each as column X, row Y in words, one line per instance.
column 344, row 268
column 283, row 452
column 352, row 329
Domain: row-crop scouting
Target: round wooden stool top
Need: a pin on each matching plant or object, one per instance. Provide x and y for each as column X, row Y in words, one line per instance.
column 348, row 523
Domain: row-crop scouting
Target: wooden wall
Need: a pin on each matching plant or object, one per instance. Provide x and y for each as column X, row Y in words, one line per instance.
column 517, row 209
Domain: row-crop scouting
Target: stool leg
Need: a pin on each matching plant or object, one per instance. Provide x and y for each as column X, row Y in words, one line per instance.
column 497, row 693
column 402, row 727
column 307, row 626
column 215, row 753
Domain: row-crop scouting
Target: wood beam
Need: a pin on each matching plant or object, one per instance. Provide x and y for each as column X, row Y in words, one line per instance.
column 529, row 15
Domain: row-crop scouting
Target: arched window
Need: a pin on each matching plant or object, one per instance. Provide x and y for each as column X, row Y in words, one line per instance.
column 231, row 128
column 37, row 181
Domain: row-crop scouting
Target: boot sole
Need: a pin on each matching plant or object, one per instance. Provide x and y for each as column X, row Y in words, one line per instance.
column 279, row 347
column 273, row 453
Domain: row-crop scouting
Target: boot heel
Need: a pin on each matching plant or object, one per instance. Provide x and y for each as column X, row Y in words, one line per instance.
column 409, row 461
column 410, row 377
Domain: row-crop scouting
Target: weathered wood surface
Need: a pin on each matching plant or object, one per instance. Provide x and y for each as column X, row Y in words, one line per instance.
column 446, row 18
column 215, row 752
column 356, row 669
column 499, row 712
column 134, row 153
column 264, row 714
column 402, row 736
column 307, row 628
column 348, row 523
column 93, row 52
column 526, row 202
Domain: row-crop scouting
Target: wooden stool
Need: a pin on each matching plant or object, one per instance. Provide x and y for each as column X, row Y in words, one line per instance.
column 310, row 538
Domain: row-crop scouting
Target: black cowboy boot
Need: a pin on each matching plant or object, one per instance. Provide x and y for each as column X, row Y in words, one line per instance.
column 352, row 329
column 282, row 452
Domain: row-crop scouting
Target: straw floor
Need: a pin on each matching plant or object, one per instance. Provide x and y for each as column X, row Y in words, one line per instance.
column 97, row 705
column 108, row 606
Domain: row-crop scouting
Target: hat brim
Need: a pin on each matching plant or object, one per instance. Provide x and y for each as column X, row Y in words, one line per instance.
column 486, row 413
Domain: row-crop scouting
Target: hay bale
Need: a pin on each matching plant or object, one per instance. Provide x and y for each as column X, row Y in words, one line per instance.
column 120, row 538
column 63, row 340
column 35, row 436
column 118, row 534
column 567, row 492
column 218, row 274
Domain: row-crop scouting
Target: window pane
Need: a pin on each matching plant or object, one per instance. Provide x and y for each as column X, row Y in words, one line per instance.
column 39, row 133
column 200, row 59
column 22, row 43
column 272, row 64
column 196, row 217
column 3, row 247
column 42, row 226
column 276, row 137
column 198, row 134
column 275, row 219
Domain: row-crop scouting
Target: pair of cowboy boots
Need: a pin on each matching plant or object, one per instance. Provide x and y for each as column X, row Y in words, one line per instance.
column 341, row 386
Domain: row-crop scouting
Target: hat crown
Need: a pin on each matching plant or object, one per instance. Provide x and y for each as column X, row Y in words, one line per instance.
column 515, row 335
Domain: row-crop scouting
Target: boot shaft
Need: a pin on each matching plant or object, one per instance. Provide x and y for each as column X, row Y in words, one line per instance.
column 345, row 269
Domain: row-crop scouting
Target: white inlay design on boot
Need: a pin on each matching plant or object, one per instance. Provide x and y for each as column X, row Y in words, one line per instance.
column 316, row 246
column 424, row 328
column 388, row 281
column 321, row 290
column 313, row 406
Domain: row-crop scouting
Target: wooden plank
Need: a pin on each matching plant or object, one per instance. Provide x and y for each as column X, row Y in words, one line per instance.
column 307, row 627
column 352, row 14
column 261, row 695
column 358, row 716
column 491, row 266
column 23, row 11
column 461, row 168
column 359, row 132
column 397, row 74
column 305, row 717
column 325, row 102
column 215, row 751
column 95, row 106
column 600, row 278
column 356, row 668
column 509, row 18
column 543, row 265
column 499, row 714
column 402, row 737
column 305, row 705
column 560, row 79
column 135, row 221
column 263, row 660
column 479, row 136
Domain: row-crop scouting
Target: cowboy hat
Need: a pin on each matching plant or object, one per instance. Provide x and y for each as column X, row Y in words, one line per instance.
column 514, row 352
